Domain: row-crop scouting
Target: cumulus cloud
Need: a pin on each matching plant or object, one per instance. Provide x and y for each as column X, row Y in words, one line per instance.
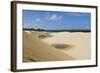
column 38, row 19
column 53, row 17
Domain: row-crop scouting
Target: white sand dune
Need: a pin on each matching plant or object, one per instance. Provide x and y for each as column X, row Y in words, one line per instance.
column 60, row 46
column 36, row 50
column 78, row 44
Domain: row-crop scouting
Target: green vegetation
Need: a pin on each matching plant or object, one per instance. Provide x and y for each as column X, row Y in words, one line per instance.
column 63, row 30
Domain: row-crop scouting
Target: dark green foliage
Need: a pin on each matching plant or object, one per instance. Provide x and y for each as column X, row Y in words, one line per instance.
column 61, row 30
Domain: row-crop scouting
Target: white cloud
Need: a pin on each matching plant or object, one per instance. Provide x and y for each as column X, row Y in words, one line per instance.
column 53, row 17
column 38, row 19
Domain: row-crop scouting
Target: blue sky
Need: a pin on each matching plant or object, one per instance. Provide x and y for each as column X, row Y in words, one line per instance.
column 52, row 20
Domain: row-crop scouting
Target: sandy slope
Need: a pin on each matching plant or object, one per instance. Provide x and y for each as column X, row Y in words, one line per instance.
column 77, row 44
column 36, row 50
column 60, row 46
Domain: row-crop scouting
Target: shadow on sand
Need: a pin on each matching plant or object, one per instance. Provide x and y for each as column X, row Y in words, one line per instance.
column 62, row 46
